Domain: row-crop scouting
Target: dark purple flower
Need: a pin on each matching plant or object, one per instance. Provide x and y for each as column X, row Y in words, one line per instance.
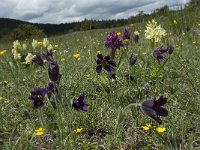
column 126, row 34
column 136, row 38
column 106, row 63
column 53, row 71
column 79, row 104
column 113, row 41
column 49, row 55
column 38, row 60
column 157, row 53
column 153, row 108
column 132, row 59
column 37, row 96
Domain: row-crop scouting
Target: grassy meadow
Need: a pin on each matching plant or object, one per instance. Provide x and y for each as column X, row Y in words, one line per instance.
column 108, row 123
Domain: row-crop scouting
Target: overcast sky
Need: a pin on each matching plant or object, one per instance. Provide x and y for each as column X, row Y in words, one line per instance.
column 61, row 11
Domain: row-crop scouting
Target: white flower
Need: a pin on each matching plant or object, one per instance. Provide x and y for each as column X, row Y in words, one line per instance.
column 17, row 45
column 17, row 56
column 34, row 44
column 49, row 47
column 29, row 58
column 45, row 42
column 154, row 31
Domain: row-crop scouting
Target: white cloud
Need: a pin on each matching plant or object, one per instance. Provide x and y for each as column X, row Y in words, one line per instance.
column 54, row 11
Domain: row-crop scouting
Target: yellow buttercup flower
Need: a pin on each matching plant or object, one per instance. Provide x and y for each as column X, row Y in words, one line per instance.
column 62, row 60
column 78, row 130
column 147, row 127
column 7, row 101
column 1, row 98
column 77, row 56
column 144, row 53
column 40, row 43
column 199, row 24
column 39, row 131
column 194, row 42
column 2, row 52
column 126, row 41
column 174, row 21
column 160, row 129
column 5, row 82
column 55, row 46
column 98, row 52
column 118, row 33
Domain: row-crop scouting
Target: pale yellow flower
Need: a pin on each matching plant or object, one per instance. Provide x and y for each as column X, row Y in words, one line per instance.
column 147, row 127
column 45, row 42
column 98, row 52
column 56, row 46
column 78, row 130
column 39, row 131
column 154, row 31
column 17, row 45
column 2, row 52
column 160, row 129
column 1, row 98
column 136, row 33
column 17, row 56
column 199, row 24
column 29, row 58
column 49, row 47
column 34, row 44
column 77, row 56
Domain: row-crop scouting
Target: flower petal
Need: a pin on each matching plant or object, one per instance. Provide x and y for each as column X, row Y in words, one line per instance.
column 161, row 101
column 100, row 56
column 112, row 63
column 162, row 111
column 110, row 69
column 107, row 58
column 98, row 69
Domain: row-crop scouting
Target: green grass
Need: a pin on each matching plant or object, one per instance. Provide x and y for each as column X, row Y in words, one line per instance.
column 179, row 81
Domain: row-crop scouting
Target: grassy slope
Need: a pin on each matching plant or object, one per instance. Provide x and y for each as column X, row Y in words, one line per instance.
column 179, row 82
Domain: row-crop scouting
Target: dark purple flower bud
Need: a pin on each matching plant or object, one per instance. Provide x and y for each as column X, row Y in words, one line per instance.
column 113, row 41
column 136, row 38
column 153, row 108
column 126, row 34
column 79, row 104
column 170, row 49
column 113, row 76
column 38, row 60
column 53, row 71
column 132, row 59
